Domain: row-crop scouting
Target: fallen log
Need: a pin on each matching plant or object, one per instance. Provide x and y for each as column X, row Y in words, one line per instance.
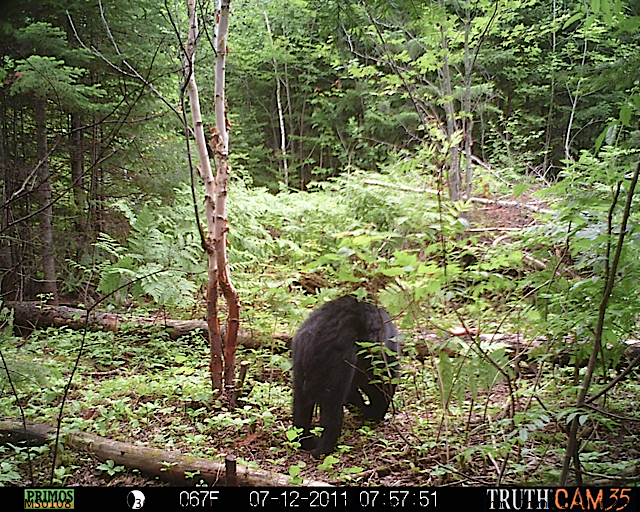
column 35, row 315
column 169, row 466
column 480, row 200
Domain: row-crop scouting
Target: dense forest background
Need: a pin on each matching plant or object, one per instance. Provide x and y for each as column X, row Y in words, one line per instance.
column 472, row 165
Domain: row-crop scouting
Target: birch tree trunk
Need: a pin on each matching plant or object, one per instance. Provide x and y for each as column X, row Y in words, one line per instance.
column 575, row 98
column 283, row 139
column 220, row 143
column 216, row 189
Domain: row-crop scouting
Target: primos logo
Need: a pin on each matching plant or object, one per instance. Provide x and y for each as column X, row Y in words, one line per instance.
column 49, row 498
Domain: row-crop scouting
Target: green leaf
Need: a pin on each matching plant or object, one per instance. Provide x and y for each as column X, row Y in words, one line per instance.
column 355, row 469
column 292, row 433
column 523, row 434
column 392, row 272
column 625, row 114
column 328, row 463
column 519, row 189
column 294, row 470
column 572, row 20
column 404, row 259
column 606, row 136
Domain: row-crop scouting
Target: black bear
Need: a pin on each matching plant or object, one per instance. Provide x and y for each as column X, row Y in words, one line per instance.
column 331, row 369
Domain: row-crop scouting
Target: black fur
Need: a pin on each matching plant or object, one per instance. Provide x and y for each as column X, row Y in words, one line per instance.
column 331, row 370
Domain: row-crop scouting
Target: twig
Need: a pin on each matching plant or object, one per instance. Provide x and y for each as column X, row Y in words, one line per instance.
column 614, row 381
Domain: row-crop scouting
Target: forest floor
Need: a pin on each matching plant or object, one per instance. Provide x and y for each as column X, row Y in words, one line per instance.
column 476, row 443
column 461, row 450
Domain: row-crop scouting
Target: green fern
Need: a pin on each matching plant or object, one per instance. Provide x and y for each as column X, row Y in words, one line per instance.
column 25, row 373
column 161, row 261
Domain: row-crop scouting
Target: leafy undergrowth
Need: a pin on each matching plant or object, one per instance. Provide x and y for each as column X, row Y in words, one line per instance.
column 468, row 410
column 142, row 387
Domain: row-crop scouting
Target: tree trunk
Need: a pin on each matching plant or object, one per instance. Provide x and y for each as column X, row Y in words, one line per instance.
column 575, row 98
column 216, row 190
column 215, row 339
column 76, row 158
column 466, row 107
column 283, row 139
column 7, row 273
column 223, row 169
column 15, row 205
column 46, row 208
column 95, row 187
column 552, row 98
column 455, row 178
